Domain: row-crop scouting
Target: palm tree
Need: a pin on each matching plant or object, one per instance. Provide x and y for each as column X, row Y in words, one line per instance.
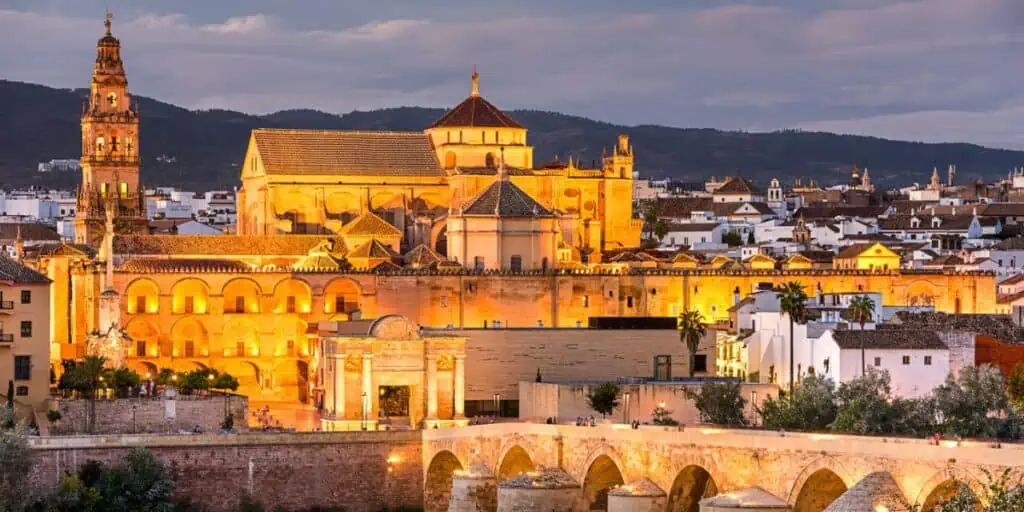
column 691, row 331
column 793, row 302
column 861, row 309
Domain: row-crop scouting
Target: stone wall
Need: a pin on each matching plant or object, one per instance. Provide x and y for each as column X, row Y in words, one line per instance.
column 362, row 472
column 151, row 415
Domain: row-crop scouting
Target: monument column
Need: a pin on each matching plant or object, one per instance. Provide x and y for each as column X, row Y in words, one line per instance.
column 367, row 396
column 460, row 386
column 339, row 386
column 431, row 387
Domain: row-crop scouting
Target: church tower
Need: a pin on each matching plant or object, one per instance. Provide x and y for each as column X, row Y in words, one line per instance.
column 110, row 150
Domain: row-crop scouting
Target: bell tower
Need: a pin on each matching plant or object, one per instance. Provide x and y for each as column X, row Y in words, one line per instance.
column 110, row 150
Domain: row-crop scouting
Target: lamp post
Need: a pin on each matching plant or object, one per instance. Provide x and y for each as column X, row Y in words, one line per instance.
column 133, row 417
column 625, row 408
column 365, row 396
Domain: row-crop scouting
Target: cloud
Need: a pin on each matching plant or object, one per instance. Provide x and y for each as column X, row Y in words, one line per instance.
column 877, row 64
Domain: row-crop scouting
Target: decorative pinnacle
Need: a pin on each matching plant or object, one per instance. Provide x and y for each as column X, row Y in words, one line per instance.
column 475, row 91
column 106, row 23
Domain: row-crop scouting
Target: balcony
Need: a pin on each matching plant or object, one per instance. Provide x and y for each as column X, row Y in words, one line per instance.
column 6, row 337
column 6, row 305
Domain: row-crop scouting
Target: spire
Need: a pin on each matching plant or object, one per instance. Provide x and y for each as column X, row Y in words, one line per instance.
column 19, row 245
column 502, row 172
column 475, row 91
column 107, row 22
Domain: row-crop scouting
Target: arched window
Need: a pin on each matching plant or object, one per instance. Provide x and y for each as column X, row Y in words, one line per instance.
column 516, row 263
column 489, row 161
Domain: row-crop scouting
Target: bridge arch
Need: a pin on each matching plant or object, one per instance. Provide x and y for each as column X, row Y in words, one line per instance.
column 942, row 486
column 691, row 484
column 824, row 462
column 602, row 475
column 437, row 489
column 819, row 490
column 514, row 462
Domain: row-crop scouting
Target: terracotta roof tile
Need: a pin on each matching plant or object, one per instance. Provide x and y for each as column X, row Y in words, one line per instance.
column 737, row 185
column 30, row 231
column 504, row 199
column 13, row 270
column 370, row 224
column 421, row 256
column 475, row 111
column 145, row 265
column 372, row 249
column 889, row 338
column 221, row 245
column 996, row 326
column 354, row 153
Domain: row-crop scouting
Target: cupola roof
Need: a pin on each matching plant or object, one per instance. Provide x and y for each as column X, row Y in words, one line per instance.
column 475, row 112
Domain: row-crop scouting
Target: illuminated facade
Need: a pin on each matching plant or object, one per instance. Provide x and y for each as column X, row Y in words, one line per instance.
column 376, row 209
column 315, row 181
column 110, row 150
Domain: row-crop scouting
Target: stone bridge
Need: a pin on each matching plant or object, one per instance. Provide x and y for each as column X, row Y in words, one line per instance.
column 807, row 470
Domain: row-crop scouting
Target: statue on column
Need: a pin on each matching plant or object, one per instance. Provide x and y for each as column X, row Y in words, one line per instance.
column 110, row 340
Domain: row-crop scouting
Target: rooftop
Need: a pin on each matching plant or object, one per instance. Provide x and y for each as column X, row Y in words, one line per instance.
column 358, row 153
column 504, row 199
column 891, row 338
column 222, row 245
column 14, row 271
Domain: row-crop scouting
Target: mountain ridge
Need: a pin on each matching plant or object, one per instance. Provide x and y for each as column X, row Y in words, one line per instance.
column 39, row 123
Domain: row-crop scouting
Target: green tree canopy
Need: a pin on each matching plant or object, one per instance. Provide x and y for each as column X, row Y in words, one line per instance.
column 604, row 398
column 811, row 406
column 720, row 403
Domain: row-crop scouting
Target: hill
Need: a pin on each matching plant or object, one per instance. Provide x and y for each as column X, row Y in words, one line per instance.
column 39, row 123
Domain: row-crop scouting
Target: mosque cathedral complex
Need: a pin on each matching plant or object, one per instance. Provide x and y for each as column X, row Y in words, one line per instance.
column 456, row 226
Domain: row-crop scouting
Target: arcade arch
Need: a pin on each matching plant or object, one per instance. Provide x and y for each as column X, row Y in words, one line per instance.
column 292, row 296
column 341, row 296
column 190, row 296
column 146, row 338
column 241, row 295
column 241, row 338
column 189, row 338
column 515, row 463
column 143, row 297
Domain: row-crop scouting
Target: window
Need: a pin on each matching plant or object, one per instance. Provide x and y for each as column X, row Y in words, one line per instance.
column 339, row 303
column 240, row 348
column 26, row 297
column 544, row 264
column 927, row 360
column 290, row 304
column 22, row 367
column 516, row 263
column 140, row 349
column 190, row 305
column 663, row 368
column 906, row 360
column 22, row 391
column 878, row 361
column 239, row 304
column 190, row 349
column 26, row 329
column 478, row 263
column 586, row 301
column 629, row 301
column 700, row 363
column 140, row 304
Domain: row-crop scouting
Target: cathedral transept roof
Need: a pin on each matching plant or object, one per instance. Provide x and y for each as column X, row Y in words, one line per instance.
column 504, row 199
column 354, row 153
column 370, row 224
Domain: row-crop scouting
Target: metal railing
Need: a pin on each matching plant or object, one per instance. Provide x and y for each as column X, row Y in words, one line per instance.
column 6, row 304
column 6, row 337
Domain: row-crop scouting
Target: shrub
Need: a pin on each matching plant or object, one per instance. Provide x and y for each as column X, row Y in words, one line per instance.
column 16, row 462
column 663, row 416
column 720, row 403
column 973, row 403
column 811, row 406
column 53, row 416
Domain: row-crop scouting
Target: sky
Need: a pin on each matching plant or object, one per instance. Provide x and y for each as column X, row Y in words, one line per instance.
column 928, row 70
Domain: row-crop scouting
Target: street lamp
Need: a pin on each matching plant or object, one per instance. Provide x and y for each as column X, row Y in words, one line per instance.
column 625, row 408
column 133, row 417
column 365, row 396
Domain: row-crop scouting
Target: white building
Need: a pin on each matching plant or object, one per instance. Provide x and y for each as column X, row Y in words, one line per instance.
column 916, row 359
column 696, row 235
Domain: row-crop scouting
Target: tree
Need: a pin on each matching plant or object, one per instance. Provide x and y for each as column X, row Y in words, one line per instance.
column 660, row 229
column 1002, row 493
column 691, row 331
column 973, row 403
column 861, row 310
column 720, row 403
column 650, row 219
column 867, row 405
column 165, row 377
column 123, row 380
column 793, row 302
column 604, row 398
column 139, row 483
column 16, row 462
column 1015, row 387
column 86, row 378
column 225, row 381
column 732, row 238
column 811, row 406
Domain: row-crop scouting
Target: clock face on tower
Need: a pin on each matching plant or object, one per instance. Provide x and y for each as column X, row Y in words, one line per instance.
column 112, row 100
